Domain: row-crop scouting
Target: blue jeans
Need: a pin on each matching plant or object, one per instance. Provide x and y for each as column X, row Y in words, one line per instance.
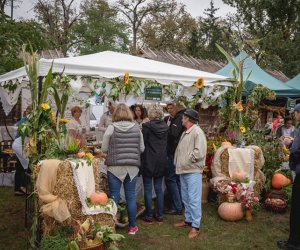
column 191, row 190
column 173, row 185
column 129, row 187
column 148, row 195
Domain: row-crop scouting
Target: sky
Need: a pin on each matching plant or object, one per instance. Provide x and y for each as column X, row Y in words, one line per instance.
column 195, row 7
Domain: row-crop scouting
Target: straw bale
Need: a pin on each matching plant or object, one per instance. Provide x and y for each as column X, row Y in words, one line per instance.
column 66, row 189
column 259, row 177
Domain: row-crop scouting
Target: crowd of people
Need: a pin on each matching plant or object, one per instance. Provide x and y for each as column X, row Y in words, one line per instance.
column 143, row 142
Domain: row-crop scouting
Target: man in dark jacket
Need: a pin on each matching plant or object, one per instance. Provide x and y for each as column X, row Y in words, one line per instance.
column 294, row 238
column 154, row 161
column 172, row 179
column 171, row 110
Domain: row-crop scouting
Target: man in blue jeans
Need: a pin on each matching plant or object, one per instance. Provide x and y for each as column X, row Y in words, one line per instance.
column 172, row 179
column 190, row 160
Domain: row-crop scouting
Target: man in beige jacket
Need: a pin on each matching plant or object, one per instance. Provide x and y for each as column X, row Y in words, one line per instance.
column 190, row 161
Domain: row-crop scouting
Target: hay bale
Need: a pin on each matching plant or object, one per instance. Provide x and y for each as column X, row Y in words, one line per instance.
column 66, row 189
column 259, row 177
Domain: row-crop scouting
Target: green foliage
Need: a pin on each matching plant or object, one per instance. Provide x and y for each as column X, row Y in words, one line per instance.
column 271, row 148
column 119, row 86
column 13, row 35
column 99, row 29
column 210, row 30
column 169, row 30
column 233, row 115
column 57, row 241
column 270, row 32
column 58, row 19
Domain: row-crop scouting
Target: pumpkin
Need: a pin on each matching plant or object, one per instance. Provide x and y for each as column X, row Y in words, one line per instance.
column 226, row 143
column 99, row 198
column 231, row 211
column 239, row 175
column 80, row 154
column 279, row 181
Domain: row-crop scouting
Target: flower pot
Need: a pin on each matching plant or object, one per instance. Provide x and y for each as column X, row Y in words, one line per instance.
column 248, row 214
column 205, row 189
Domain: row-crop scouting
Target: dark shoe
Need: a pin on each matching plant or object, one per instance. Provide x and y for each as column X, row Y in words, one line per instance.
column 286, row 246
column 19, row 193
column 148, row 220
column 160, row 220
column 173, row 212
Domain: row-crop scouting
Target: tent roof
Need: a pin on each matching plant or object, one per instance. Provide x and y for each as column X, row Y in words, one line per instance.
column 295, row 82
column 259, row 76
column 112, row 64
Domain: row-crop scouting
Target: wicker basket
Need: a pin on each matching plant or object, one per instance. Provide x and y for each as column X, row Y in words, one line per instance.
column 96, row 247
column 275, row 205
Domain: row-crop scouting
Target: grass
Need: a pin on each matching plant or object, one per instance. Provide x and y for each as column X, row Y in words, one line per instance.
column 262, row 233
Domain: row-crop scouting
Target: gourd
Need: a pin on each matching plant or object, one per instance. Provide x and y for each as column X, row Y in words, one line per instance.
column 226, row 143
column 99, row 198
column 239, row 175
column 279, row 181
column 231, row 211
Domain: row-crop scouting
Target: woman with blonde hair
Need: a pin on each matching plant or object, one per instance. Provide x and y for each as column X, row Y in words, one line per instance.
column 123, row 143
column 154, row 161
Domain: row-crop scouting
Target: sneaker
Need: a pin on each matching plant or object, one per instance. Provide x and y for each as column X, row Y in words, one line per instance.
column 173, row 212
column 160, row 220
column 148, row 220
column 132, row 230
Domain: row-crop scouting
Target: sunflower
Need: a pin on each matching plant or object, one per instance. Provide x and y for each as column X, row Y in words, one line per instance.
column 200, row 82
column 126, row 78
column 238, row 106
column 45, row 106
column 63, row 120
column 89, row 155
column 243, row 129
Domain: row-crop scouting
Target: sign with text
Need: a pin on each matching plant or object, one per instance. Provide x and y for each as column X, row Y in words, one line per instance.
column 153, row 94
column 291, row 103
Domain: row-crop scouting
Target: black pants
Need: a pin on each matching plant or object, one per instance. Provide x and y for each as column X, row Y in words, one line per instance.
column 19, row 176
column 295, row 213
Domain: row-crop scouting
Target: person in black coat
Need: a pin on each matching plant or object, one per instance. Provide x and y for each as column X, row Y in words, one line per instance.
column 294, row 162
column 154, row 161
column 172, row 179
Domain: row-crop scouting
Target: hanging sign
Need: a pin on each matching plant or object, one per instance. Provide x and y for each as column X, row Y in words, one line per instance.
column 291, row 103
column 153, row 94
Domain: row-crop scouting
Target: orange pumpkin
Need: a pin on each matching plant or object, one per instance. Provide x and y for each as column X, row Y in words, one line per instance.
column 99, row 198
column 279, row 181
column 80, row 154
column 226, row 143
column 239, row 175
column 231, row 211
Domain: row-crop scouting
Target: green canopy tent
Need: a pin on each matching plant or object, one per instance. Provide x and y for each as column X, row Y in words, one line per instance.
column 295, row 82
column 259, row 76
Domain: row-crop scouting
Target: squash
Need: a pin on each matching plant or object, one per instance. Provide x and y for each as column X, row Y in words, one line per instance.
column 279, row 181
column 231, row 211
column 239, row 175
column 226, row 143
column 99, row 198
column 80, row 154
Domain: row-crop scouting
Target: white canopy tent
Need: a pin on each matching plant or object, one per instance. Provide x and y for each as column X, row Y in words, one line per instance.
column 109, row 65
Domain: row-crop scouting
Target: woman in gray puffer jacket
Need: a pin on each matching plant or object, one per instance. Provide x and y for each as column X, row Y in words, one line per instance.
column 123, row 143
